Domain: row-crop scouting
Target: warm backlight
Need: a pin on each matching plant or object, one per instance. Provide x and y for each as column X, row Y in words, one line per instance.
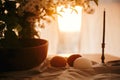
column 70, row 21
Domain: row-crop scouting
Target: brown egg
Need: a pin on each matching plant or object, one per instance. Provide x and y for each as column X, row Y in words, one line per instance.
column 71, row 59
column 58, row 61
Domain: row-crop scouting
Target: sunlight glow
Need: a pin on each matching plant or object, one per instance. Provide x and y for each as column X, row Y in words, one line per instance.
column 70, row 20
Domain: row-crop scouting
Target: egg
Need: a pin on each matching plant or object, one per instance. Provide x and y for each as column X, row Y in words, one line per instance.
column 82, row 63
column 58, row 61
column 71, row 59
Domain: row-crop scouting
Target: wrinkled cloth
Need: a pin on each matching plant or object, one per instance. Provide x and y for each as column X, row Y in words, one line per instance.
column 106, row 76
column 46, row 72
column 50, row 74
column 60, row 74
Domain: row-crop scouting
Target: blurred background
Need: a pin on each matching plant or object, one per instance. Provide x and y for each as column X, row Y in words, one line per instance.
column 89, row 38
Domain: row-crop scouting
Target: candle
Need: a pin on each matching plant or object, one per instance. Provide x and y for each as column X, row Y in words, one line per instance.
column 104, row 26
column 103, row 41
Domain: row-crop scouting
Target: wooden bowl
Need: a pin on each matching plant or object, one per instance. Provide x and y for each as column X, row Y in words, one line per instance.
column 31, row 54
